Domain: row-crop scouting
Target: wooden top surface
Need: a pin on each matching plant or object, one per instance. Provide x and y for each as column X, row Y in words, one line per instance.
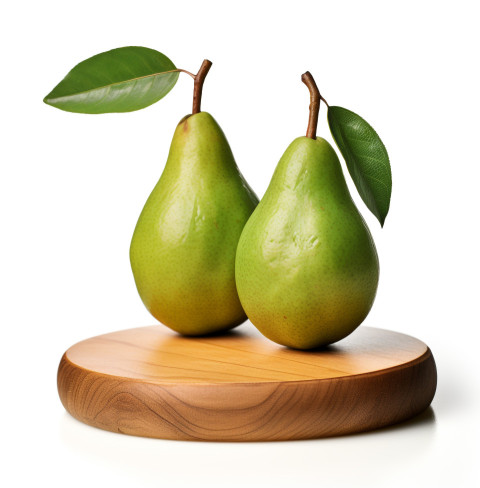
column 155, row 354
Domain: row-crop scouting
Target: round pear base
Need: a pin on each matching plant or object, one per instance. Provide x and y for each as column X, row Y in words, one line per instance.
column 239, row 386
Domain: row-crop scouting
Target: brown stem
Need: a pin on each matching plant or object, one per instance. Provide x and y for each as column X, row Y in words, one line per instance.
column 314, row 107
column 198, row 85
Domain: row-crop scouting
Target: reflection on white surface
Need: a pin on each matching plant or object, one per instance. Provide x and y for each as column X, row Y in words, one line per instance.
column 370, row 458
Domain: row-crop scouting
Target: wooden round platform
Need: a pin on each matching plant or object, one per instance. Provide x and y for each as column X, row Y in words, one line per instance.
column 241, row 387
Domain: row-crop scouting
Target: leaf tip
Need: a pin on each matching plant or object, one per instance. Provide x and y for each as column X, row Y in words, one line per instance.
column 47, row 100
column 382, row 219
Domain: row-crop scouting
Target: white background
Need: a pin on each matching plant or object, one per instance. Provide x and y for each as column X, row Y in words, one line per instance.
column 72, row 187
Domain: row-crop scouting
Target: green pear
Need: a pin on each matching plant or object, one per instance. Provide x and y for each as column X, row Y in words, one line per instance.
column 183, row 248
column 306, row 266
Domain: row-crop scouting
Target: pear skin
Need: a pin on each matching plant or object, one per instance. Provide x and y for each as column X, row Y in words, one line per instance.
column 183, row 249
column 306, row 267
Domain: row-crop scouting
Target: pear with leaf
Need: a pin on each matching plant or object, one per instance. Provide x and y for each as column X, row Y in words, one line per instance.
column 306, row 266
column 183, row 248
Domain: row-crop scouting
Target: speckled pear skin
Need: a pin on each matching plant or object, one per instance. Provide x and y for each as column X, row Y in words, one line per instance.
column 306, row 266
column 183, row 248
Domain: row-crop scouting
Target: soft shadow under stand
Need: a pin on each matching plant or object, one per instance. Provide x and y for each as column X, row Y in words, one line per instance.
column 152, row 382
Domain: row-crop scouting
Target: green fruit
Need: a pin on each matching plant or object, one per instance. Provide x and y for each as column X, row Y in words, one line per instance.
column 183, row 248
column 306, row 265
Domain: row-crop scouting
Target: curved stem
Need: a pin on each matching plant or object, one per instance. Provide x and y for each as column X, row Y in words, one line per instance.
column 184, row 71
column 198, row 85
column 314, row 107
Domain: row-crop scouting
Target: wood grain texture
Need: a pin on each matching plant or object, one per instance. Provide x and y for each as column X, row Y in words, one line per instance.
column 241, row 387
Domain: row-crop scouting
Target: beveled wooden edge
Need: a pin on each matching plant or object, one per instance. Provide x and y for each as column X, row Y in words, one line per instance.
column 267, row 411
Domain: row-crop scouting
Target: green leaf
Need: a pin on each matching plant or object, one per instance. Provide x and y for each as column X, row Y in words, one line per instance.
column 366, row 158
column 120, row 80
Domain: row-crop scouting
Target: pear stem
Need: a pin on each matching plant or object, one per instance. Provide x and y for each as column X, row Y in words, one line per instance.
column 198, row 85
column 314, row 107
